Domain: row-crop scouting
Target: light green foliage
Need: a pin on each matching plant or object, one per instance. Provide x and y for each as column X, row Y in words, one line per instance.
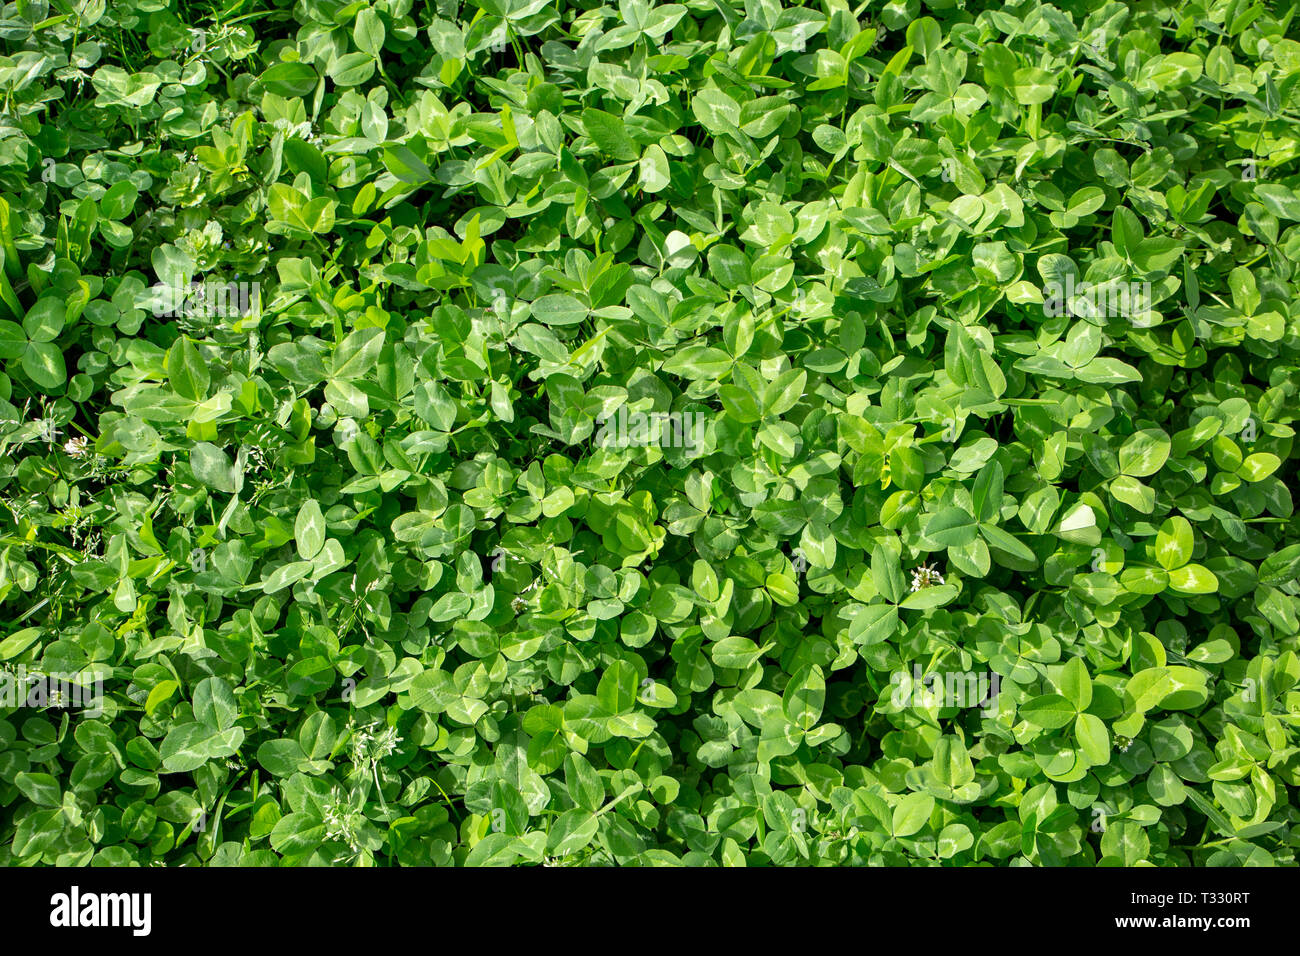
column 516, row 433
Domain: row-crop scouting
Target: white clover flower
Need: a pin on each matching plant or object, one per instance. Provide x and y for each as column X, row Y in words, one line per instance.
column 925, row 577
column 76, row 447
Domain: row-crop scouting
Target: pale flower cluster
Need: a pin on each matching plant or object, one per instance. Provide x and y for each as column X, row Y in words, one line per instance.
column 925, row 577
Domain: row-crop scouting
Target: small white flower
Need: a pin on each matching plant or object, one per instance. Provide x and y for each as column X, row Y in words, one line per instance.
column 369, row 747
column 341, row 823
column 76, row 447
column 925, row 577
